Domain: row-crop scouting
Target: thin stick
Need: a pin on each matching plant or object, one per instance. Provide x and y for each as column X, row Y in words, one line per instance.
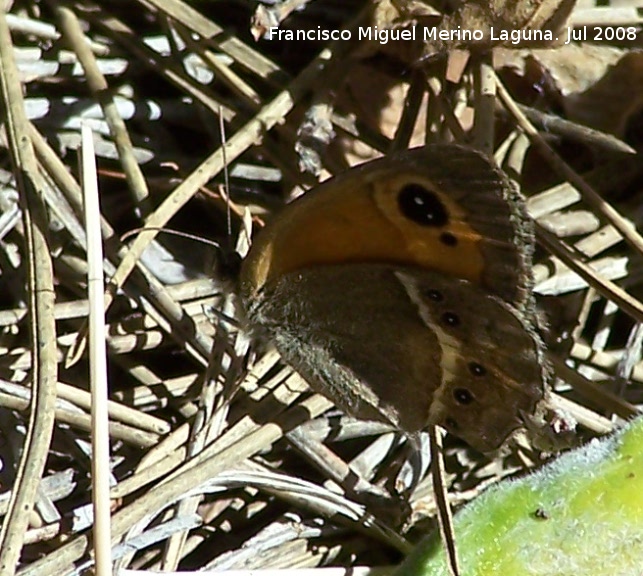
column 552, row 124
column 73, row 34
column 97, row 359
column 629, row 233
column 485, row 102
column 606, row 288
column 193, row 473
column 39, row 293
column 445, row 518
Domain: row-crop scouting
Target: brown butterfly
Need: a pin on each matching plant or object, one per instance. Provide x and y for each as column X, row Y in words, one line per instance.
column 401, row 290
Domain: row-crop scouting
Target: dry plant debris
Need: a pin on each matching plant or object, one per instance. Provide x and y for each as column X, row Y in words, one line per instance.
column 221, row 457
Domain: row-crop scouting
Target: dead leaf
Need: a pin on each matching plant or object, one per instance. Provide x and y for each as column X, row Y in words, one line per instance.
column 477, row 25
column 613, row 100
column 378, row 100
column 266, row 17
column 574, row 67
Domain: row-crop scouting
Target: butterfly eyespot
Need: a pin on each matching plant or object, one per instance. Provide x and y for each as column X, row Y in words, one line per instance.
column 422, row 206
column 450, row 319
column 463, row 396
column 451, row 424
column 448, row 239
column 434, row 295
column 477, row 369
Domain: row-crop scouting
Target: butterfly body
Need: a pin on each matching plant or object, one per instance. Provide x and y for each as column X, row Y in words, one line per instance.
column 401, row 290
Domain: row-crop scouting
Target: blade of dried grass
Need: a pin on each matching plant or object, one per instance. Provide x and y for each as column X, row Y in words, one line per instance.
column 608, row 401
column 412, row 103
column 445, row 516
column 582, row 415
column 101, row 470
column 273, row 406
column 125, row 36
column 42, row 325
column 606, row 288
column 162, row 495
column 208, row 424
column 82, row 421
column 180, row 435
column 242, row 90
column 121, row 412
column 553, row 124
column 602, row 361
column 73, row 35
column 151, row 473
column 251, row 59
column 628, row 232
column 46, row 31
column 316, row 498
column 170, row 452
column 118, row 412
column 334, row 467
column 438, row 104
column 609, row 177
column 485, row 101
column 170, row 314
column 269, row 115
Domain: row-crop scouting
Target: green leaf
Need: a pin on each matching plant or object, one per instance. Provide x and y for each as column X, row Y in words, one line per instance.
column 579, row 515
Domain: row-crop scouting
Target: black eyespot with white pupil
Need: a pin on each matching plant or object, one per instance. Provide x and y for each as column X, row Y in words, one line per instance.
column 463, row 396
column 451, row 424
column 477, row 369
column 434, row 295
column 422, row 206
column 451, row 319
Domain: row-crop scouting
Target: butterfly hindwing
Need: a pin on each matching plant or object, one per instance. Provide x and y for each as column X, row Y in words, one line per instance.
column 493, row 368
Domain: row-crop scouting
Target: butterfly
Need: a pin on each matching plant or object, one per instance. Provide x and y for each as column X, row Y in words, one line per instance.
column 401, row 290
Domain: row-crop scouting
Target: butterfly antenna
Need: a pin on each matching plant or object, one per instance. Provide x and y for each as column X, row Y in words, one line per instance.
column 162, row 230
column 228, row 263
column 226, row 174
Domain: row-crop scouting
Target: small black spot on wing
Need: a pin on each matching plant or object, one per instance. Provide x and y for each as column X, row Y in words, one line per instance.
column 450, row 319
column 463, row 396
